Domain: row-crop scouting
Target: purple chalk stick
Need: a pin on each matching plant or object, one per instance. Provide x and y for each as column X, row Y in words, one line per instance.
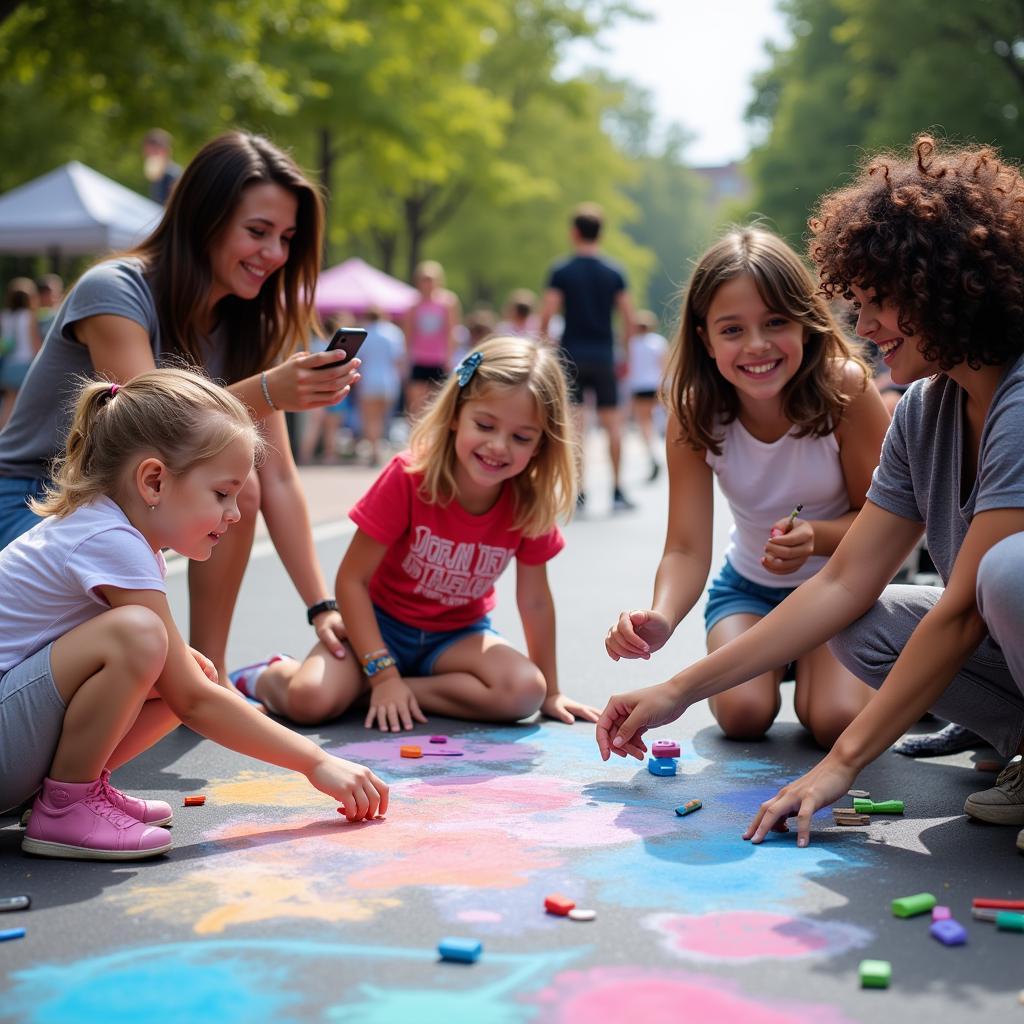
column 442, row 753
column 949, row 932
column 665, row 748
column 438, row 739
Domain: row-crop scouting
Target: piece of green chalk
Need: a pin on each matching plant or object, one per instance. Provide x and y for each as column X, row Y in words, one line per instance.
column 908, row 906
column 1010, row 921
column 875, row 973
column 877, row 807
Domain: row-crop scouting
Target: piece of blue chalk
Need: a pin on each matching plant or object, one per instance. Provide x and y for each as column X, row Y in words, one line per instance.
column 948, row 932
column 465, row 951
column 12, row 933
column 661, row 765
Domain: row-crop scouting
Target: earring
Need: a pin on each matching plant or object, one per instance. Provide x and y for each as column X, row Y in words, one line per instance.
column 151, row 507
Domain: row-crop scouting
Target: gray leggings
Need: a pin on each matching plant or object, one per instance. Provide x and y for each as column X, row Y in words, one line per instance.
column 987, row 694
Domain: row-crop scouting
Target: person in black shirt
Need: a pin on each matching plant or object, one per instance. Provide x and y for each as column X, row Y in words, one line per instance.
column 588, row 289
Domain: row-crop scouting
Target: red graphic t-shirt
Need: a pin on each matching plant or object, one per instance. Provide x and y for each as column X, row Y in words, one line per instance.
column 439, row 570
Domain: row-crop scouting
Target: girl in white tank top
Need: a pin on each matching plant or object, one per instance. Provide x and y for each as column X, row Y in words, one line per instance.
column 770, row 399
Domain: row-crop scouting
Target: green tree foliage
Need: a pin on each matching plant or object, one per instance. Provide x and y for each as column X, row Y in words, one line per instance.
column 438, row 129
column 861, row 75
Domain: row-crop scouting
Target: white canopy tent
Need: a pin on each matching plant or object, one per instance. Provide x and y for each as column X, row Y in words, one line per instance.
column 73, row 210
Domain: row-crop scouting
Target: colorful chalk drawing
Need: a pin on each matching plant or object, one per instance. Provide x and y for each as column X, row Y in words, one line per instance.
column 470, row 846
column 617, row 994
column 747, row 936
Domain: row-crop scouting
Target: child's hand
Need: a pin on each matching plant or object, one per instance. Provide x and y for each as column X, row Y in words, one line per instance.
column 330, row 630
column 208, row 668
column 628, row 716
column 791, row 544
column 637, row 634
column 821, row 786
column 353, row 785
column 393, row 706
column 565, row 709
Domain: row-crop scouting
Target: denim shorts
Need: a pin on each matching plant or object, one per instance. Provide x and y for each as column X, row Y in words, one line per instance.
column 416, row 650
column 31, row 719
column 733, row 594
column 16, row 517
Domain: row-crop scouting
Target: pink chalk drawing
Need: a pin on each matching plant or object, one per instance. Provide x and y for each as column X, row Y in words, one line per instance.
column 746, row 936
column 479, row 916
column 375, row 751
column 610, row 995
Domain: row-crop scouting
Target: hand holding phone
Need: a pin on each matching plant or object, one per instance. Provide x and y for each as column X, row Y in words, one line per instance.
column 346, row 340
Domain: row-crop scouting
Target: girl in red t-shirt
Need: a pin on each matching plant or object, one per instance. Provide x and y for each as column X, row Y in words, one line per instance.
column 490, row 470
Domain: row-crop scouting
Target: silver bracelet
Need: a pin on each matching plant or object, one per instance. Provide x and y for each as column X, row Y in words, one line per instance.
column 266, row 390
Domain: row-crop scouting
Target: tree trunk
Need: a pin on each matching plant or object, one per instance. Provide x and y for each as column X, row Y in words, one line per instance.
column 326, row 181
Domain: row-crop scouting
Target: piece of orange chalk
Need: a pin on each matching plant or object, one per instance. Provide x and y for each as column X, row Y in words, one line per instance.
column 411, row 751
column 195, row 801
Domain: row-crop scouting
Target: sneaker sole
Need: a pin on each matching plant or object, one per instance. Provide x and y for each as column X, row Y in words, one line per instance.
column 997, row 814
column 42, row 848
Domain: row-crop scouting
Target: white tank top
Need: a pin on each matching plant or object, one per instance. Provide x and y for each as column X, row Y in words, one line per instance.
column 765, row 482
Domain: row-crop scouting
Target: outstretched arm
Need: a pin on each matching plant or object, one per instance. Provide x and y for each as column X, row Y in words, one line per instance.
column 685, row 561
column 218, row 713
column 938, row 647
column 864, row 563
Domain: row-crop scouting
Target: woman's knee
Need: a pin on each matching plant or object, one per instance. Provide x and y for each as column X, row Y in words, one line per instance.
column 1000, row 583
column 310, row 702
column 827, row 724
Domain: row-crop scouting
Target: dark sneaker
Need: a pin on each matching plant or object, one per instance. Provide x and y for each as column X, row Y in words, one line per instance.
column 620, row 503
column 1003, row 804
column 950, row 740
column 581, row 500
column 655, row 471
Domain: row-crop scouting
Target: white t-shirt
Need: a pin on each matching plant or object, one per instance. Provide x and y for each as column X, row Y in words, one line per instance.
column 49, row 576
column 646, row 361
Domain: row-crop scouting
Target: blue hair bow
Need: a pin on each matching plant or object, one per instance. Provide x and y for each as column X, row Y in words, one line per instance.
column 465, row 370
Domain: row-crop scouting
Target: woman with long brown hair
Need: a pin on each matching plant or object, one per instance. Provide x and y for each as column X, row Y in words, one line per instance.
column 224, row 282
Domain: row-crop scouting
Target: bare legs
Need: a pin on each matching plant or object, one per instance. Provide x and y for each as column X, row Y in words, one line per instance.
column 827, row 697
column 213, row 585
column 373, row 412
column 104, row 671
column 480, row 677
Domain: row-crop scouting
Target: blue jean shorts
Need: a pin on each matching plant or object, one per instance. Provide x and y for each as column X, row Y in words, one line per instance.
column 416, row 650
column 31, row 720
column 16, row 517
column 733, row 594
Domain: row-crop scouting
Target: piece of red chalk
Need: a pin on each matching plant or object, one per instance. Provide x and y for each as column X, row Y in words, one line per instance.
column 558, row 905
column 981, row 901
column 194, row 801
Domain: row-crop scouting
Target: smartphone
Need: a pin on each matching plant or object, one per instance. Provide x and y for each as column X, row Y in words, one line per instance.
column 346, row 340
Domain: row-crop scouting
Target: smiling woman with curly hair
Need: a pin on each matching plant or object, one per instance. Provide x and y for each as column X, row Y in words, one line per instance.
column 930, row 246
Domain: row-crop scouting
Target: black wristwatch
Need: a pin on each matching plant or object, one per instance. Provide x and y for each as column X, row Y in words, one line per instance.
column 330, row 605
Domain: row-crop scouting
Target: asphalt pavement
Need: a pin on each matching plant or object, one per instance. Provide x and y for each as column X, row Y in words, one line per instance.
column 271, row 908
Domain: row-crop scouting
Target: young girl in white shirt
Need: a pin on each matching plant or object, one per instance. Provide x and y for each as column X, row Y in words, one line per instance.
column 93, row 670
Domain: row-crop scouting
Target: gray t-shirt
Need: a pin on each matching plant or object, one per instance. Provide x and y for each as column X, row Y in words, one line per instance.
column 36, row 430
column 919, row 474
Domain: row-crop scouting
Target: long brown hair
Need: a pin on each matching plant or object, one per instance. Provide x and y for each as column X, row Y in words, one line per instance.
column 181, row 416
column 176, row 256
column 701, row 398
column 546, row 490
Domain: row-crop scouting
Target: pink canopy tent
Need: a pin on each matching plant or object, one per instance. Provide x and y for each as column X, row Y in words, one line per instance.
column 355, row 286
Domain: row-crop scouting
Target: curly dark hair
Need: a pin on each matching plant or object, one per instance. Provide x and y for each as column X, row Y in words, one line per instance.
column 940, row 234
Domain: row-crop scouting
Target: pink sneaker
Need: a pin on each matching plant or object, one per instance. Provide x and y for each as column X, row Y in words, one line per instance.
column 149, row 812
column 75, row 819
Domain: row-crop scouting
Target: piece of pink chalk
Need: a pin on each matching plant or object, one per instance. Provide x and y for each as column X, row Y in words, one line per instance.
column 438, row 739
column 665, row 748
column 941, row 913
